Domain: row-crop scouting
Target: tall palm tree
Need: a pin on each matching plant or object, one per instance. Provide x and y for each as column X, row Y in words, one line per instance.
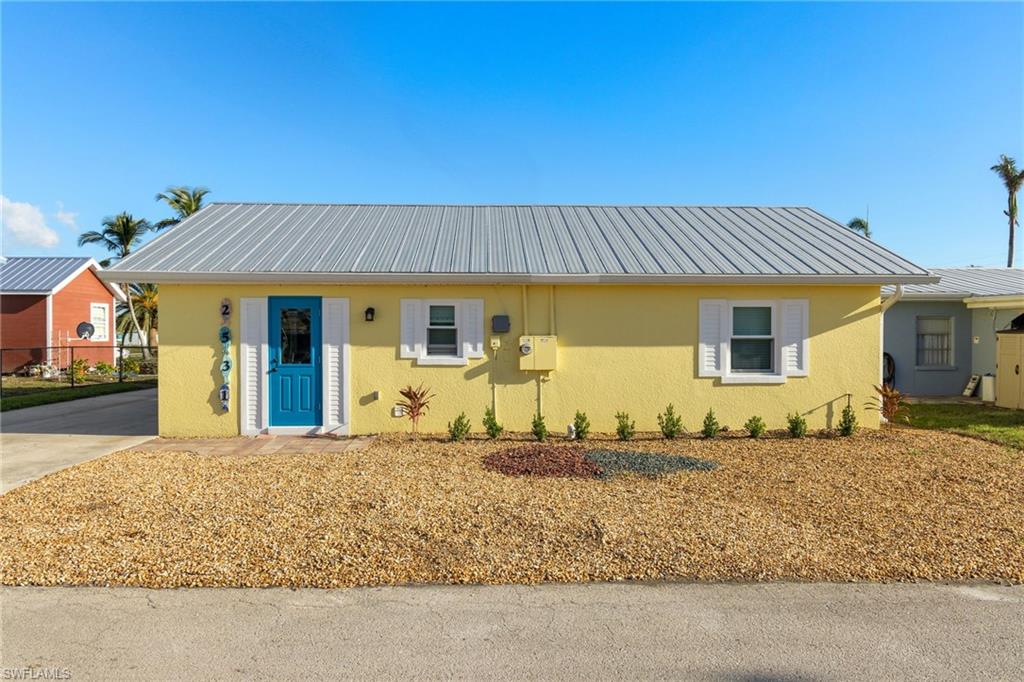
column 1012, row 179
column 184, row 201
column 860, row 225
column 145, row 302
column 120, row 234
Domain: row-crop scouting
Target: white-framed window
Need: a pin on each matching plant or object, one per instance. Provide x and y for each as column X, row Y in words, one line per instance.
column 99, row 316
column 752, row 345
column 935, row 341
column 753, row 342
column 442, row 331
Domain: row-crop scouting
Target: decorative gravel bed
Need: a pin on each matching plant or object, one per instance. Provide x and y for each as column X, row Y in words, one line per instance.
column 540, row 459
column 896, row 505
column 614, row 462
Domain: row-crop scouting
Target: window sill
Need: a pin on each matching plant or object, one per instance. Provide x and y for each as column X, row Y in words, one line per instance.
column 442, row 361
column 753, row 379
column 933, row 368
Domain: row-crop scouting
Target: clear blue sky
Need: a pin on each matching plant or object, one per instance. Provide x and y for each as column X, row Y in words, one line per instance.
column 837, row 106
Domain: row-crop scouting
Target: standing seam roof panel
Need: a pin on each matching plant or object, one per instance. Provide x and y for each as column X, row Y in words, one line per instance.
column 520, row 240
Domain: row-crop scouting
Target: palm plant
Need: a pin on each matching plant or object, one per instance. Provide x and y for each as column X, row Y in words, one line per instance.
column 145, row 299
column 1012, row 178
column 184, row 201
column 860, row 225
column 416, row 403
column 120, row 234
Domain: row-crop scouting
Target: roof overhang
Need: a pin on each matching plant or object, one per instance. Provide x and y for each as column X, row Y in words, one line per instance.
column 933, row 297
column 157, row 277
column 1007, row 301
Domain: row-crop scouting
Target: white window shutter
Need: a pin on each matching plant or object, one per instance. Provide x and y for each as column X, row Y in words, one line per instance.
column 335, row 343
column 473, row 327
column 712, row 334
column 412, row 322
column 252, row 371
column 795, row 341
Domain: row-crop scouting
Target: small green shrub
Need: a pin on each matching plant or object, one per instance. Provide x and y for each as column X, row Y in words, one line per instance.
column 78, row 369
column 581, row 425
column 459, row 429
column 104, row 368
column 797, row 425
column 491, row 425
column 539, row 428
column 711, row 426
column 625, row 428
column 755, row 426
column 847, row 421
column 671, row 424
column 130, row 366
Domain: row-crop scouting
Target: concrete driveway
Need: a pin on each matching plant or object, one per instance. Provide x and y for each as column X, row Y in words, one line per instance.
column 601, row 631
column 37, row 441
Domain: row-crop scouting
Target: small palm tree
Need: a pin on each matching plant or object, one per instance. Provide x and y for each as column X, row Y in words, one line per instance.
column 145, row 300
column 120, row 234
column 860, row 225
column 184, row 201
column 1012, row 179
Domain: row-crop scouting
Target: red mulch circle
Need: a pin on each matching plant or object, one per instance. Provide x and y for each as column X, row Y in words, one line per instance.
column 538, row 459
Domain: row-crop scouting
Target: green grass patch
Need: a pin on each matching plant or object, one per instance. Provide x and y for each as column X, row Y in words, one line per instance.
column 27, row 396
column 995, row 424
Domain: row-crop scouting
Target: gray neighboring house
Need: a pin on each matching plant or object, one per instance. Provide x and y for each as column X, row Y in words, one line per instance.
column 940, row 334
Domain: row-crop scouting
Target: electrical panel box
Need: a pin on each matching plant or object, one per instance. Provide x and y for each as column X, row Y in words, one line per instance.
column 538, row 353
column 500, row 324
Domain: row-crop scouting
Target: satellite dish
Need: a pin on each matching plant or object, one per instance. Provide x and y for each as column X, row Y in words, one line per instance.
column 85, row 330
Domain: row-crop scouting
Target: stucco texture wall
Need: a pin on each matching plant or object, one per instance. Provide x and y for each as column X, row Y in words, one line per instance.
column 985, row 322
column 620, row 348
column 901, row 343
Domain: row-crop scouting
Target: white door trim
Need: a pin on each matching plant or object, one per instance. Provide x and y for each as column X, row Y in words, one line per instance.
column 334, row 354
column 335, row 358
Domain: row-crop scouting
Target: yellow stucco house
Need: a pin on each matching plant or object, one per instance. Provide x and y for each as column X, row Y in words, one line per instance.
column 301, row 318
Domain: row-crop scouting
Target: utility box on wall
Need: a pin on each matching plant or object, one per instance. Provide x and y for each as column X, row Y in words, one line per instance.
column 538, row 353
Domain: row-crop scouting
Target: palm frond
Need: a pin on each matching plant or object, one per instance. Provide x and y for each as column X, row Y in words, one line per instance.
column 184, row 201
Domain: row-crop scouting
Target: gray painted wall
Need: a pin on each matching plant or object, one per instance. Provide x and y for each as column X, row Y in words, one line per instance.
column 900, row 341
column 985, row 323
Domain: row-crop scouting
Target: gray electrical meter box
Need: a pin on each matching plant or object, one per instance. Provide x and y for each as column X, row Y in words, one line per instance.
column 500, row 324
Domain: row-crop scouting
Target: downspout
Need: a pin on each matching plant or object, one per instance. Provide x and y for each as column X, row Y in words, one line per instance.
column 894, row 299
column 886, row 304
column 526, row 314
column 551, row 311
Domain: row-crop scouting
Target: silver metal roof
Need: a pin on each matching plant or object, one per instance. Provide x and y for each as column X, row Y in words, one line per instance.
column 435, row 243
column 956, row 283
column 37, row 275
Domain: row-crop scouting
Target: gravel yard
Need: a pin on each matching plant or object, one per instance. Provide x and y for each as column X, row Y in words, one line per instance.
column 895, row 505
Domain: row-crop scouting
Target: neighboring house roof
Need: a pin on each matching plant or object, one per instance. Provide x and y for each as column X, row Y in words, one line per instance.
column 46, row 275
column 961, row 283
column 512, row 244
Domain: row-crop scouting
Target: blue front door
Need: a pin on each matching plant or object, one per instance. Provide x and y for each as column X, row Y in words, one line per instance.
column 295, row 370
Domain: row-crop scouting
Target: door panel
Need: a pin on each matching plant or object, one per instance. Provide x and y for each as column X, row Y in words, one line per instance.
column 1008, row 368
column 295, row 363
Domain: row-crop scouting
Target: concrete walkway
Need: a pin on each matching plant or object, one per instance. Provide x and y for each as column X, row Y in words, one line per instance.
column 37, row 441
column 600, row 631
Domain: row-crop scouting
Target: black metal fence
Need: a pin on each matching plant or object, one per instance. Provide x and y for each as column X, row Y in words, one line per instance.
column 41, row 368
